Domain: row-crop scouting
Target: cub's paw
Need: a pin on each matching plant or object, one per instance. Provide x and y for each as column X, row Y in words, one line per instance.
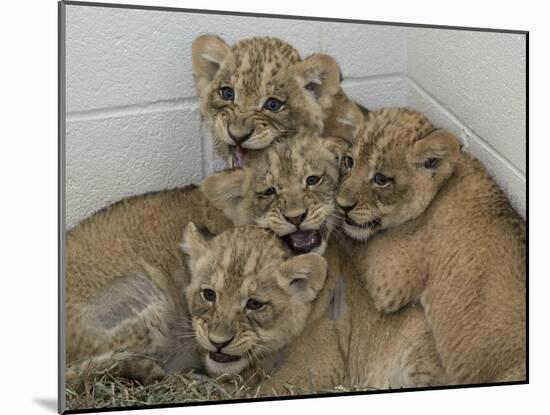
column 149, row 374
column 388, row 299
column 418, row 366
column 391, row 287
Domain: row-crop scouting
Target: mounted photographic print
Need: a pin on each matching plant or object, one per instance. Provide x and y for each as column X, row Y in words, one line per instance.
column 258, row 207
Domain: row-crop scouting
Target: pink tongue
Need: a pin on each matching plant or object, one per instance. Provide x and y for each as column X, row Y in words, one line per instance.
column 239, row 157
column 304, row 240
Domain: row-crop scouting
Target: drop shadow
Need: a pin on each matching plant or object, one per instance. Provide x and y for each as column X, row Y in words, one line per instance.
column 47, row 403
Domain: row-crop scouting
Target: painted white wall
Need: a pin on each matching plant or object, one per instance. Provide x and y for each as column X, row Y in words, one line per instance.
column 133, row 123
column 473, row 83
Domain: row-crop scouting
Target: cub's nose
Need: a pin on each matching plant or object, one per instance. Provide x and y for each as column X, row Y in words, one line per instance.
column 297, row 220
column 219, row 343
column 346, row 208
column 239, row 135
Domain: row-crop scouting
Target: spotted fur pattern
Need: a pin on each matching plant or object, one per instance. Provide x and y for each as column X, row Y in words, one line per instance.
column 241, row 265
column 273, row 190
column 256, row 70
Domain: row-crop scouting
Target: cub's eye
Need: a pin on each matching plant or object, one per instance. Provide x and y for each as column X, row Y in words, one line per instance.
column 380, row 180
column 227, row 93
column 270, row 191
column 273, row 105
column 209, row 295
column 348, row 162
column 431, row 163
column 254, row 305
column 313, row 180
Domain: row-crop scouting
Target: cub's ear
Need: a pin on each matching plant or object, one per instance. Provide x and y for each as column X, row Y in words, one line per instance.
column 194, row 244
column 352, row 121
column 439, row 146
column 304, row 276
column 225, row 189
column 208, row 52
column 320, row 75
column 337, row 146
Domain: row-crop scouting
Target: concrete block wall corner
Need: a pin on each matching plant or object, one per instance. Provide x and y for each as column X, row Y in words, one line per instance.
column 133, row 123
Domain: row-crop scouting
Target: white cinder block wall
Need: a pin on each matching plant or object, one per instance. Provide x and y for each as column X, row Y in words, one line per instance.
column 133, row 122
column 473, row 83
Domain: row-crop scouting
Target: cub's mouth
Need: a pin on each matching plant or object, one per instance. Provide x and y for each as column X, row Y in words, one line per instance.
column 304, row 241
column 220, row 357
column 373, row 224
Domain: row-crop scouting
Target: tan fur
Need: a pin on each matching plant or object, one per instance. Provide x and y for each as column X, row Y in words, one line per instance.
column 349, row 342
column 260, row 68
column 443, row 233
column 361, row 347
column 125, row 279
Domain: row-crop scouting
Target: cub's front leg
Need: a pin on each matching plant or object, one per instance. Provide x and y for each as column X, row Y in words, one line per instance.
column 393, row 270
column 419, row 364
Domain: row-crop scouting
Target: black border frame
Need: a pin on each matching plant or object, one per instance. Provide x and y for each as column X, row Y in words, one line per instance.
column 61, row 201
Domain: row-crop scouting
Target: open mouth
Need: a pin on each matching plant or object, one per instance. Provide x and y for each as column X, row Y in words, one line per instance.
column 303, row 241
column 220, row 357
column 239, row 157
column 367, row 225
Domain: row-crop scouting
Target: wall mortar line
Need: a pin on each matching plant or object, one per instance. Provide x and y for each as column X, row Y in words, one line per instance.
column 396, row 76
column 133, row 109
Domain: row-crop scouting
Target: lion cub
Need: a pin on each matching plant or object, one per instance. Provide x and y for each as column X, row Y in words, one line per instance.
column 249, row 296
column 260, row 90
column 124, row 285
column 439, row 230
